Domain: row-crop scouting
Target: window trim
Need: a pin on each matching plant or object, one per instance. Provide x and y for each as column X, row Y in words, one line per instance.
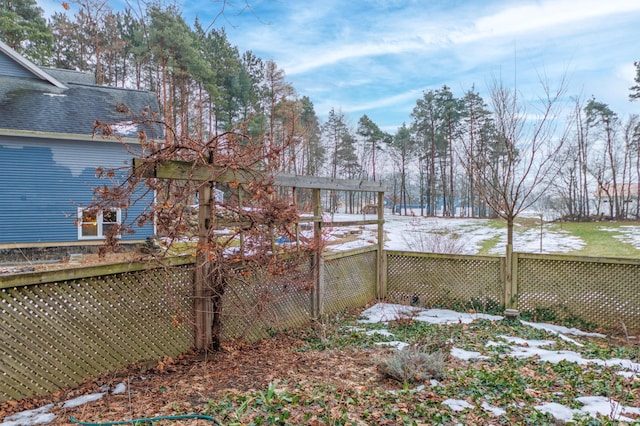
column 99, row 223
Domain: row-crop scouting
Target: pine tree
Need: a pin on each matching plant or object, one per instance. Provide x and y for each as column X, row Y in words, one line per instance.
column 635, row 89
column 24, row 29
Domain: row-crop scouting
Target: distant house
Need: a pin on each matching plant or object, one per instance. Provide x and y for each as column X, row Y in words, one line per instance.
column 48, row 157
column 622, row 196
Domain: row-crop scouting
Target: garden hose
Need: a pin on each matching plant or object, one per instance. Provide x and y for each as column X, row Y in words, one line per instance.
column 149, row 420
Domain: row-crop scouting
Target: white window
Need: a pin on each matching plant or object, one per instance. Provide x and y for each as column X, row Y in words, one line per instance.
column 95, row 224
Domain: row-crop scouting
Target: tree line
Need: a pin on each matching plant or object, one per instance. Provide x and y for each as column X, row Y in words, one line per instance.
column 456, row 156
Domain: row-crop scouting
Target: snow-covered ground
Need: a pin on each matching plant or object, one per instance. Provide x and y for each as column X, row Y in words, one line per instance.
column 627, row 234
column 460, row 235
column 43, row 416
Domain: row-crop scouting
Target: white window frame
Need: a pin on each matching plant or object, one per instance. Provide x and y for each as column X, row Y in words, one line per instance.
column 98, row 223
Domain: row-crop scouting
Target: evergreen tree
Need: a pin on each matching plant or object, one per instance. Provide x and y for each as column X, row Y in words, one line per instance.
column 334, row 131
column 635, row 89
column 403, row 147
column 314, row 152
column 174, row 48
column 476, row 117
column 449, row 113
column 424, row 128
column 373, row 138
column 24, row 29
column 68, row 48
column 601, row 118
column 226, row 89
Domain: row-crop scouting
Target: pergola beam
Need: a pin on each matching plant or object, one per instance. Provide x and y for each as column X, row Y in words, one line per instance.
column 183, row 170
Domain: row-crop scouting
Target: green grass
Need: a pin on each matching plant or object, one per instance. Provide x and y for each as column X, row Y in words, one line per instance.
column 487, row 245
column 599, row 237
column 599, row 241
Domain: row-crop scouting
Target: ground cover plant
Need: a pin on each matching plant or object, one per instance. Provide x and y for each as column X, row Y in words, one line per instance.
column 332, row 372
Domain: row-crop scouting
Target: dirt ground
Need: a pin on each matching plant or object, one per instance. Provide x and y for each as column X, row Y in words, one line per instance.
column 186, row 384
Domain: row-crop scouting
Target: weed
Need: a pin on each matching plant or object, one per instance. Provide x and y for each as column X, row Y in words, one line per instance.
column 558, row 315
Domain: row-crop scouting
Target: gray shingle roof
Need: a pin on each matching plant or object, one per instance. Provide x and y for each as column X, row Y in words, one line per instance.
column 63, row 101
column 35, row 105
column 70, row 76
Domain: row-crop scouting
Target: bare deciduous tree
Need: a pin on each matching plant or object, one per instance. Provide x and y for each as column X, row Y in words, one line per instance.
column 520, row 161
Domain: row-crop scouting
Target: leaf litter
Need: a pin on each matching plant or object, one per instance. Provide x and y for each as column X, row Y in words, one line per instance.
column 498, row 371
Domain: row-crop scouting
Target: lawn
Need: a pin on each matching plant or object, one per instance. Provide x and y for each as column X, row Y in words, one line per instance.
column 488, row 236
column 336, row 372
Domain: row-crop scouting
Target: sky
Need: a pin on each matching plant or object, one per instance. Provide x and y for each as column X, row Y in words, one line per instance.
column 378, row 57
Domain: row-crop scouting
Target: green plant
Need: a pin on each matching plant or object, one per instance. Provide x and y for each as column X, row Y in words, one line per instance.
column 557, row 314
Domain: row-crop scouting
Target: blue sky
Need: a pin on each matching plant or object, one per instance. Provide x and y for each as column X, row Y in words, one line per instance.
column 378, row 57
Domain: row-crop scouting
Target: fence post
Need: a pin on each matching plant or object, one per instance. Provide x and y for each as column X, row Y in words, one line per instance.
column 318, row 261
column 508, row 295
column 511, row 282
column 515, row 258
column 382, row 255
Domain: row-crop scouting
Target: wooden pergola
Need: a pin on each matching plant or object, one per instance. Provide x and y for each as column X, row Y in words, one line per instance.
column 181, row 170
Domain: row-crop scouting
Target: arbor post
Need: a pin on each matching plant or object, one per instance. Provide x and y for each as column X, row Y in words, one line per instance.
column 318, row 261
column 202, row 307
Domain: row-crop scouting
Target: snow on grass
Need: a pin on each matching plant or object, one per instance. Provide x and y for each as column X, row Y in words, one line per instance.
column 627, row 234
column 456, row 404
column 385, row 312
column 463, row 235
column 467, row 355
column 592, row 406
column 553, row 241
column 561, row 331
column 42, row 416
column 38, row 416
column 519, row 348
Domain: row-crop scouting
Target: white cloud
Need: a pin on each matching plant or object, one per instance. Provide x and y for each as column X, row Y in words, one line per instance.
column 370, row 58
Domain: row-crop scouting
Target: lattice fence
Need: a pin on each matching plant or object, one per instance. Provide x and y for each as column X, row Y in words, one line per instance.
column 59, row 334
column 603, row 292
column 255, row 307
column 444, row 280
column 349, row 281
column 56, row 333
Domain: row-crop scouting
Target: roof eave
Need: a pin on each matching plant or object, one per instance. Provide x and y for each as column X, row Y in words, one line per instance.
column 64, row 136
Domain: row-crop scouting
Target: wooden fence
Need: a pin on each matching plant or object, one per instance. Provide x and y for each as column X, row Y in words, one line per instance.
column 604, row 292
column 60, row 328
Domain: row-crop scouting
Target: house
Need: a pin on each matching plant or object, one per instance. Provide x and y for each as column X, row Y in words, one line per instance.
column 609, row 198
column 49, row 157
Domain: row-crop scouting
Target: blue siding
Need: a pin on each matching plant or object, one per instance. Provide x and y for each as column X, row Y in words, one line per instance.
column 11, row 68
column 42, row 182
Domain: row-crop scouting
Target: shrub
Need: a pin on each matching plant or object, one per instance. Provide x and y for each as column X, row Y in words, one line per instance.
column 413, row 365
